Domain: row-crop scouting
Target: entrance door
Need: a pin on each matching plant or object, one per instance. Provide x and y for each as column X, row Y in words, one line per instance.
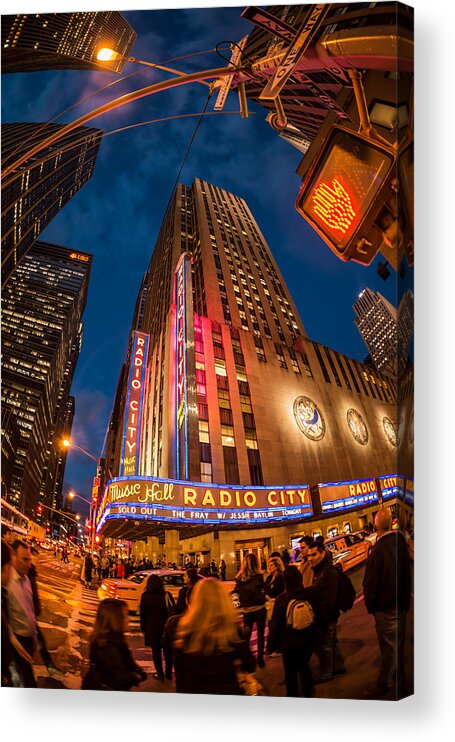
column 259, row 548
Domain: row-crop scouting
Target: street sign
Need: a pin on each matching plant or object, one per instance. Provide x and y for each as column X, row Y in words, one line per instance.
column 227, row 81
column 268, row 22
column 344, row 192
column 296, row 50
column 324, row 97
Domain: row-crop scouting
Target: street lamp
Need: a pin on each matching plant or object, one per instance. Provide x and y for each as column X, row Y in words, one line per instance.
column 109, row 55
column 71, row 495
column 69, row 444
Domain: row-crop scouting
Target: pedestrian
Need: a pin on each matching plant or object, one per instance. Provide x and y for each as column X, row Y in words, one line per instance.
column 285, row 557
column 112, row 666
column 250, row 589
column 274, row 586
column 222, row 568
column 156, row 606
column 296, row 617
column 120, row 573
column 88, row 569
column 21, row 612
column 52, row 670
column 387, row 594
column 320, row 540
column 213, row 569
column 326, row 582
column 191, row 577
column 304, row 565
column 11, row 677
column 105, row 567
column 209, row 648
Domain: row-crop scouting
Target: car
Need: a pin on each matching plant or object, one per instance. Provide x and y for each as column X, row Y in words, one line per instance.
column 348, row 550
column 131, row 589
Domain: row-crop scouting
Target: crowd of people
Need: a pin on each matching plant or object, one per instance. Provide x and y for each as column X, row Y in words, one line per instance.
column 205, row 642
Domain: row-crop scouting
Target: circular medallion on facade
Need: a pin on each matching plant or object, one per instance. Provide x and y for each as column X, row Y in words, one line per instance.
column 309, row 418
column 389, row 430
column 356, row 425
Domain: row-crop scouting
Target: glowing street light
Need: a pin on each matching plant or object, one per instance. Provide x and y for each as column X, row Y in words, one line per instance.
column 109, row 55
column 69, row 444
column 72, row 494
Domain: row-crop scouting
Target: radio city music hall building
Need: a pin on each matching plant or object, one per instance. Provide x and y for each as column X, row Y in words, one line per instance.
column 231, row 429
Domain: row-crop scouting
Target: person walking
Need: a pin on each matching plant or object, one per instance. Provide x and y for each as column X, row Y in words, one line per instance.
column 274, row 586
column 191, row 577
column 52, row 670
column 112, row 666
column 304, row 565
column 387, row 594
column 222, row 568
column 120, row 573
column 326, row 582
column 88, row 569
column 209, row 649
column 296, row 616
column 11, row 648
column 250, row 589
column 21, row 612
column 155, row 608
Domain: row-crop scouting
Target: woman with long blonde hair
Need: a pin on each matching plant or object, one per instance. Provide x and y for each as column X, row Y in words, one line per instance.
column 251, row 591
column 208, row 645
column 112, row 666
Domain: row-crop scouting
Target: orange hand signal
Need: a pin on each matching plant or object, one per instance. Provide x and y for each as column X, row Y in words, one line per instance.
column 332, row 204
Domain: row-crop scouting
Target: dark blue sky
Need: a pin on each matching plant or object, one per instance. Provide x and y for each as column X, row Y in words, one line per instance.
column 116, row 216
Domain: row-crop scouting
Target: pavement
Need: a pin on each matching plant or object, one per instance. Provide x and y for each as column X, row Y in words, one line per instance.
column 68, row 616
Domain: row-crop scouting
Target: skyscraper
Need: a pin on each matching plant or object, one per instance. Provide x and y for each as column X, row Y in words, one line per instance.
column 43, row 303
column 221, row 384
column 376, row 321
column 33, row 195
column 251, row 354
column 43, row 41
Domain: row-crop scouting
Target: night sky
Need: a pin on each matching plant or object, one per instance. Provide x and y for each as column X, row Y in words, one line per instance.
column 117, row 215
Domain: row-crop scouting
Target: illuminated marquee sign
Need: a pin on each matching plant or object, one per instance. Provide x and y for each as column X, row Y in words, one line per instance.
column 169, row 500
column 184, row 345
column 392, row 485
column 343, row 495
column 134, row 401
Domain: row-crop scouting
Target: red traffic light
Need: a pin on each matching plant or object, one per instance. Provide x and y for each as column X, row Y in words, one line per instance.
column 344, row 191
column 39, row 509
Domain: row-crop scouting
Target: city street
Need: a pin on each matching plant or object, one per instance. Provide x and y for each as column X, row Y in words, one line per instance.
column 69, row 611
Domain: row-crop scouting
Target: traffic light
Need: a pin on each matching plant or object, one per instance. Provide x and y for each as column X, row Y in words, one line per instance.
column 39, row 509
column 348, row 185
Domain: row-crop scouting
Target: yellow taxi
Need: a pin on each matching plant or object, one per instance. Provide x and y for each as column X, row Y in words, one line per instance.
column 348, row 550
column 131, row 589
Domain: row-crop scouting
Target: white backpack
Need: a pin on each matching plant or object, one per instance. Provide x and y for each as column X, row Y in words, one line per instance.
column 299, row 614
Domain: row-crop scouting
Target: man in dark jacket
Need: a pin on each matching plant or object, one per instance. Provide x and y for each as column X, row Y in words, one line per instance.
column 326, row 582
column 387, row 593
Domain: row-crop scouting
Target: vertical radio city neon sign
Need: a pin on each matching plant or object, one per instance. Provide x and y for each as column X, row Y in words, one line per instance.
column 134, row 401
column 181, row 390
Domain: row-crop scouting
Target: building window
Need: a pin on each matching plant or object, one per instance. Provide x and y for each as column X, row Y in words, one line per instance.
column 206, row 472
column 254, row 462
column 280, row 356
column 322, row 364
column 231, row 468
column 227, row 436
column 204, row 431
column 332, row 366
column 205, row 453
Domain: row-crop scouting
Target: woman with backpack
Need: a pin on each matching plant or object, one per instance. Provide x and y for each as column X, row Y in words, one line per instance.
column 295, row 619
column 157, row 605
column 112, row 666
column 251, row 591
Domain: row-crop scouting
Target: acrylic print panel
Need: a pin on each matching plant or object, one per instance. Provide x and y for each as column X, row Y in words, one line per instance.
column 210, row 493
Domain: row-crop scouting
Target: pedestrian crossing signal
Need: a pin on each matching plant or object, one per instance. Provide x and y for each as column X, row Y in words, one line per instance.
column 345, row 190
